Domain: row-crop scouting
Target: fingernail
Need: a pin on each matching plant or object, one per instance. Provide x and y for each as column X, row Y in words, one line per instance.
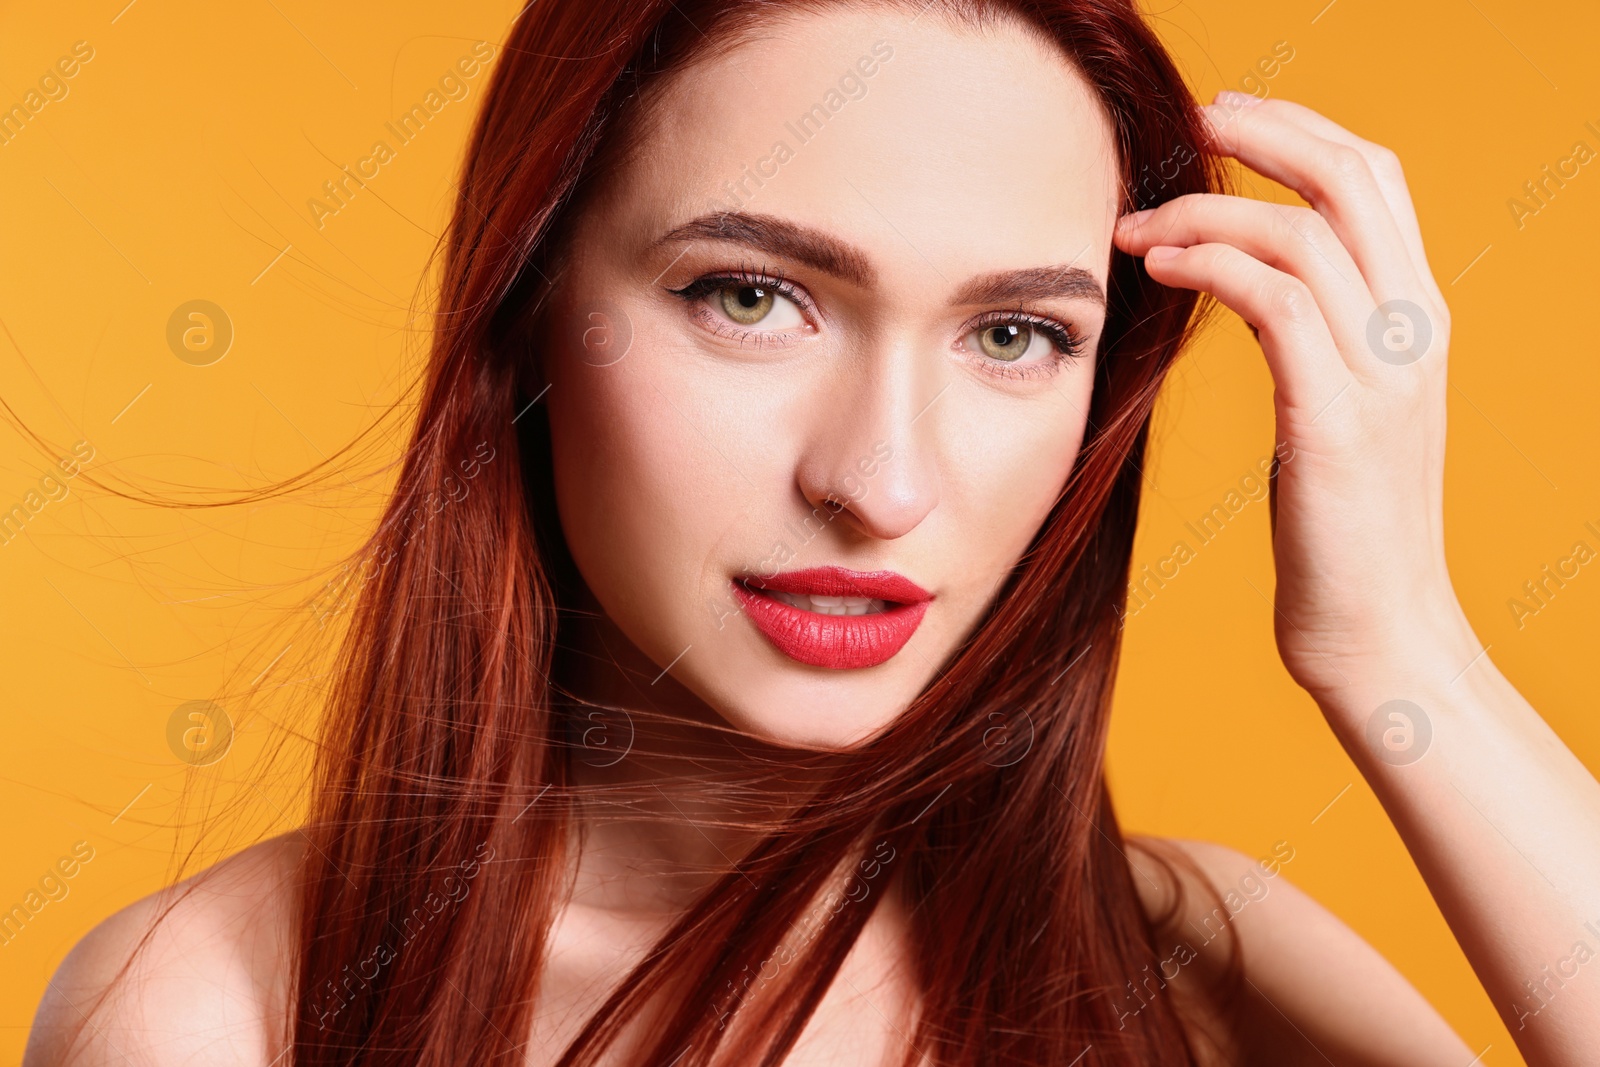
column 1237, row 99
column 1162, row 252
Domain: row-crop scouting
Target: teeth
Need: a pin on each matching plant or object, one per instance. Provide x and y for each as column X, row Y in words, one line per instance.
column 830, row 605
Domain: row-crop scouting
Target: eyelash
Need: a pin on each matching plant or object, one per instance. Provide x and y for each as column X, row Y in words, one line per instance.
column 1068, row 344
column 710, row 283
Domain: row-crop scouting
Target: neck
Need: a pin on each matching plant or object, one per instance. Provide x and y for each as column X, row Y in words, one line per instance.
column 669, row 795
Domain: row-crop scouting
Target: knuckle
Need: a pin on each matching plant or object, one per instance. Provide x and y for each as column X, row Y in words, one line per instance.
column 1289, row 298
column 1384, row 161
column 1184, row 207
column 1435, row 314
column 1422, row 381
column 1347, row 165
column 1289, row 109
column 1167, row 215
column 1309, row 224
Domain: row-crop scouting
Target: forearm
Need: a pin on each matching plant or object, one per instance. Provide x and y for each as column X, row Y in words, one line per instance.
column 1503, row 822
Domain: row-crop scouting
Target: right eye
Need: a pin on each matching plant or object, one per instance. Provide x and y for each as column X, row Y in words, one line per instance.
column 749, row 308
column 755, row 305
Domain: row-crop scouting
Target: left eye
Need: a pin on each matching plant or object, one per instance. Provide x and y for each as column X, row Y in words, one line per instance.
column 1008, row 342
column 756, row 305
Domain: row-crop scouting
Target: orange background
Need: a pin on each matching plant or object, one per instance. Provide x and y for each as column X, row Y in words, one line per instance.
column 177, row 167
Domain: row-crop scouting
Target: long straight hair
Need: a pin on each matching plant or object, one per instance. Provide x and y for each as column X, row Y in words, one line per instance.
column 444, row 797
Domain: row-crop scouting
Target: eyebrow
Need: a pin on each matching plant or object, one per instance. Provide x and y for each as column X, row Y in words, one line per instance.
column 770, row 234
column 830, row 255
column 1034, row 283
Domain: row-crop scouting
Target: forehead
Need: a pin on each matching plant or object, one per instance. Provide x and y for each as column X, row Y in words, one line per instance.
column 946, row 146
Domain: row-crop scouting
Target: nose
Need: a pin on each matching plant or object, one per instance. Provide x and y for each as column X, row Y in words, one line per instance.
column 873, row 445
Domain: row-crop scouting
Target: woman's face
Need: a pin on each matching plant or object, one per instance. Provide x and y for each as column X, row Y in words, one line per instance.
column 824, row 318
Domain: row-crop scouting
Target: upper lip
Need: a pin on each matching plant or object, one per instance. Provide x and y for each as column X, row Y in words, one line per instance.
column 841, row 581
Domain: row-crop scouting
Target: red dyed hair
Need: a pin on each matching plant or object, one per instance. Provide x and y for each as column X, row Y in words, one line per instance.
column 447, row 749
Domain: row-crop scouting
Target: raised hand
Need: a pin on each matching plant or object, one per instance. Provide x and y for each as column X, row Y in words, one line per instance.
column 1355, row 331
column 1500, row 817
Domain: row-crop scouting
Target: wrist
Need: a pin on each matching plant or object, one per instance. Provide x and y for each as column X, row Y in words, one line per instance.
column 1428, row 654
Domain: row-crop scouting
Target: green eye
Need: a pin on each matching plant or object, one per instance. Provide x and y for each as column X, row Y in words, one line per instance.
column 747, row 304
column 1005, row 341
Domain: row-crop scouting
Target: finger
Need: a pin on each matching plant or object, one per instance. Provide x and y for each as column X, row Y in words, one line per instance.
column 1335, row 180
column 1295, row 240
column 1306, row 369
column 1386, row 169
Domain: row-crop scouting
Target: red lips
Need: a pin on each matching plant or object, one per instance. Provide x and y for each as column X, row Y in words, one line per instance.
column 838, row 642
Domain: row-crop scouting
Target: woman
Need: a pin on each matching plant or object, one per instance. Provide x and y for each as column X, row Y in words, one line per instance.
column 728, row 680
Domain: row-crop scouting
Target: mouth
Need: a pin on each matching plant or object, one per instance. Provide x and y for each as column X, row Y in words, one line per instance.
column 834, row 617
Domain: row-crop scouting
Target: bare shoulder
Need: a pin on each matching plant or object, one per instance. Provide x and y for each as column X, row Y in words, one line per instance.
column 206, row 979
column 1308, row 989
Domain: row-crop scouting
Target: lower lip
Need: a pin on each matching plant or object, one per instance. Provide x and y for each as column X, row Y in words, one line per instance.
column 838, row 642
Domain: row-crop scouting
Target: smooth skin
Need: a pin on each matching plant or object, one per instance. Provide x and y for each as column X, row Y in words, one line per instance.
column 970, row 157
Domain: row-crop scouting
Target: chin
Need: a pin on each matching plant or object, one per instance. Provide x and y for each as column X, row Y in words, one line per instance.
column 791, row 707
column 758, row 689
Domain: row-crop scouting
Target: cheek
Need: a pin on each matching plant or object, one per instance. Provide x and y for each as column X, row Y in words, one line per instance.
column 611, row 457
column 1011, row 475
column 641, row 489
